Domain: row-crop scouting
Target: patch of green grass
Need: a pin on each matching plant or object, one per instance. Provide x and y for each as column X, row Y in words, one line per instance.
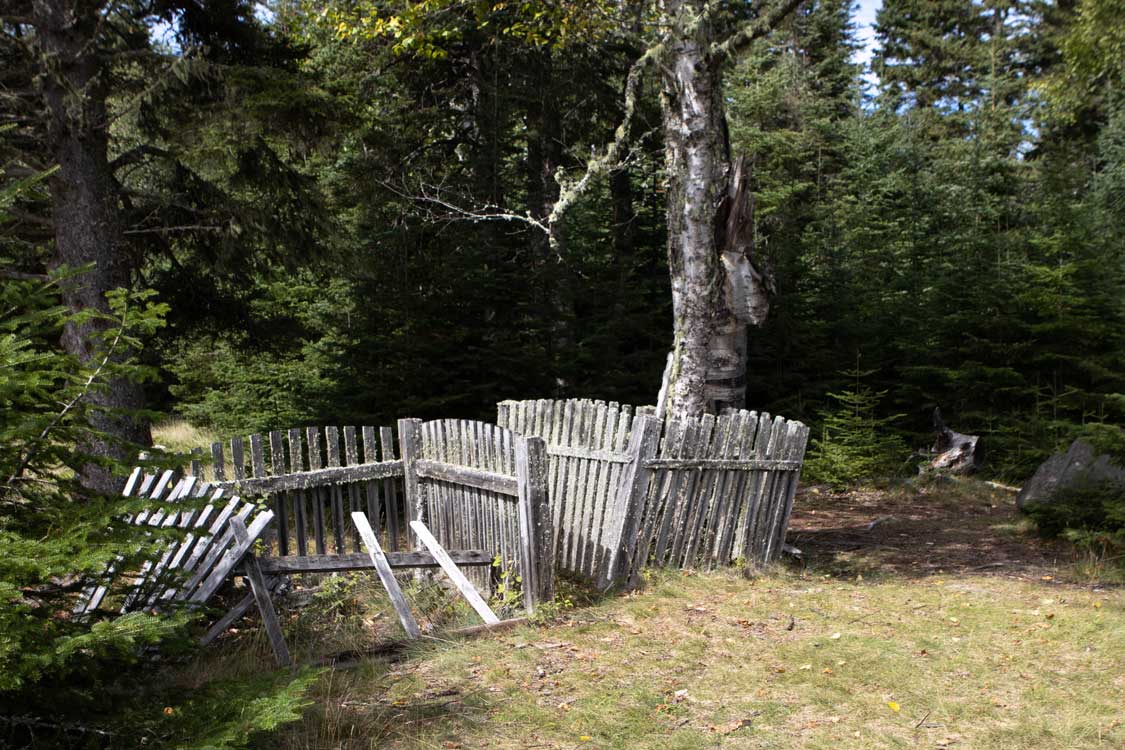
column 784, row 661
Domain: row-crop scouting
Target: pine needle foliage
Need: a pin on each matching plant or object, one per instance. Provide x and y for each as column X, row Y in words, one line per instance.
column 855, row 443
column 64, row 680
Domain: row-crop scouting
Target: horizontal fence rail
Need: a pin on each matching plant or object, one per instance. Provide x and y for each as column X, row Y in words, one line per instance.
column 628, row 490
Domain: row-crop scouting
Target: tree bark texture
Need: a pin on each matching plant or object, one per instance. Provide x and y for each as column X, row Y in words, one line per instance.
column 716, row 292
column 87, row 225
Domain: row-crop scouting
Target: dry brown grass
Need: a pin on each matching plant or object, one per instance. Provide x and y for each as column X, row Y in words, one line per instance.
column 180, row 436
column 786, row 661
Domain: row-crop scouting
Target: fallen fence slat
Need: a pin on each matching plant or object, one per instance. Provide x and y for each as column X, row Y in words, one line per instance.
column 383, row 568
column 472, row 596
column 261, row 594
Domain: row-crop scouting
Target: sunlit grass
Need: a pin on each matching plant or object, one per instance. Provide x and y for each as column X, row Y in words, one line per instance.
column 785, row 661
column 180, row 436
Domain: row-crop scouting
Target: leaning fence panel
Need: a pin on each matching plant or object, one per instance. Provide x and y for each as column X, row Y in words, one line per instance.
column 477, row 486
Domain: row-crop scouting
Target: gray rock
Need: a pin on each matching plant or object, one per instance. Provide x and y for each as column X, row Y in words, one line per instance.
column 1080, row 465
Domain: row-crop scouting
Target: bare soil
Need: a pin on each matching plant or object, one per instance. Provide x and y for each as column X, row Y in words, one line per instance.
column 957, row 526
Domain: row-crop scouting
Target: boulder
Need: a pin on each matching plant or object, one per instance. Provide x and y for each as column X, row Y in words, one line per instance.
column 1080, row 465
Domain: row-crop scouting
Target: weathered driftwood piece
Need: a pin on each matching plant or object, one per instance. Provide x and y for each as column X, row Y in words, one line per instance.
column 450, row 567
column 956, row 453
column 261, row 594
column 386, row 576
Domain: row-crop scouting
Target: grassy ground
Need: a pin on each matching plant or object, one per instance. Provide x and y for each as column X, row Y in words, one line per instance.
column 180, row 436
column 944, row 624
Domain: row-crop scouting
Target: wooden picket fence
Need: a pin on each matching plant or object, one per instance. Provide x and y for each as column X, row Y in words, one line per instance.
column 474, row 485
column 629, row 491
column 313, row 478
column 597, row 489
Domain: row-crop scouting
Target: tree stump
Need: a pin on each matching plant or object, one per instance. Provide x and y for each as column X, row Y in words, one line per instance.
column 954, row 452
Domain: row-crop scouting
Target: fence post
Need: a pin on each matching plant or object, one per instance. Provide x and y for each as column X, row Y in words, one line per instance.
column 536, row 531
column 628, row 506
column 410, row 448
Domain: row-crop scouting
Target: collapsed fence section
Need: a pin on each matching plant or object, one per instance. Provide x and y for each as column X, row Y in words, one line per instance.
column 479, row 489
column 628, row 490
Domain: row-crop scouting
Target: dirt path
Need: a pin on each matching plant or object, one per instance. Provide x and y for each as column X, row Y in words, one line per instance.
column 956, row 527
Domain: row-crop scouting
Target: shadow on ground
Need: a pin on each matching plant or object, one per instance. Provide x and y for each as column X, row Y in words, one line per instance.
column 960, row 526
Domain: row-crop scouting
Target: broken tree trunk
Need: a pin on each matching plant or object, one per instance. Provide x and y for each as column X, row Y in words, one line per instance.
column 716, row 292
column 954, row 453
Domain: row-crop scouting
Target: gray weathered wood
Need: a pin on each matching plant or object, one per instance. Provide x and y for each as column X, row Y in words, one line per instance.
column 284, row 497
column 765, row 464
column 391, row 502
column 472, row 596
column 234, row 614
column 261, row 594
column 534, row 522
column 362, row 561
column 383, row 568
column 463, row 475
column 410, row 447
column 300, row 502
column 231, row 558
column 317, row 492
column 311, row 480
column 628, row 503
column 257, row 456
column 218, row 470
column 237, row 459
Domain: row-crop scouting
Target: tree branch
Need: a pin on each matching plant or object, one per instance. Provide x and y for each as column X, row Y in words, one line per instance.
column 737, row 42
column 134, row 155
column 570, row 191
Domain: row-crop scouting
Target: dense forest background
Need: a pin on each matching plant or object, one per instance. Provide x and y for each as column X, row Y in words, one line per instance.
column 335, row 210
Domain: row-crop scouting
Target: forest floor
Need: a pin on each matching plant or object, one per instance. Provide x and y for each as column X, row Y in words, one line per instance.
column 919, row 617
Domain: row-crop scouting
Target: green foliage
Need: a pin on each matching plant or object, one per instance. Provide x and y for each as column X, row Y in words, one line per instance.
column 61, row 675
column 1090, row 515
column 855, row 443
column 50, row 528
column 229, row 714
